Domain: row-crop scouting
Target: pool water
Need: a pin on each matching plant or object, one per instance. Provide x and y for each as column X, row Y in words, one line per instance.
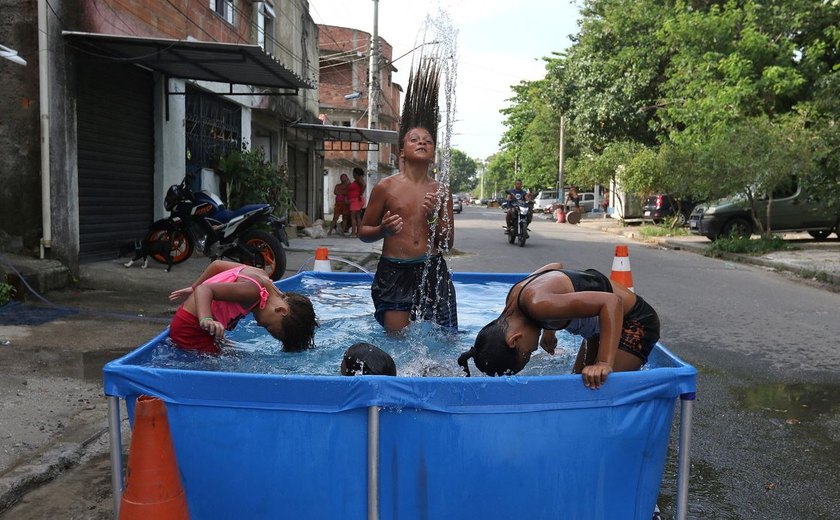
column 345, row 314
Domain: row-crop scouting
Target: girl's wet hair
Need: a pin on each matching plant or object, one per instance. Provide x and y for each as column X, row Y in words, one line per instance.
column 298, row 332
column 490, row 352
column 366, row 359
column 420, row 108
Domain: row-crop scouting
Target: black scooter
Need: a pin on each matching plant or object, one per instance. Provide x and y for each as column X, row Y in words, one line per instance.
column 199, row 220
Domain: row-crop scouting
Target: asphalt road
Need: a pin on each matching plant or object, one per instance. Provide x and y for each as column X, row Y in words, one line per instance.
column 765, row 437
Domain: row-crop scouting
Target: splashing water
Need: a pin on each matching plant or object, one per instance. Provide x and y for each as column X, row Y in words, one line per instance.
column 345, row 312
column 438, row 40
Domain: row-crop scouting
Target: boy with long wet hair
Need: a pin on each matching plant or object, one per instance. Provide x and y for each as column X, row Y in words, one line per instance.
column 412, row 213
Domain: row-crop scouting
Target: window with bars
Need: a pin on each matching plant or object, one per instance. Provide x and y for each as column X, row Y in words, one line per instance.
column 223, row 8
column 213, row 128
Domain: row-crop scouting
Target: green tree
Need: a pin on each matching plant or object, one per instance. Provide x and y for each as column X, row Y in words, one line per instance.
column 463, row 171
column 755, row 158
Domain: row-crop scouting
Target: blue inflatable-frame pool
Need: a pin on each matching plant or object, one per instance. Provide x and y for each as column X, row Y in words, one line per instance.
column 378, row 447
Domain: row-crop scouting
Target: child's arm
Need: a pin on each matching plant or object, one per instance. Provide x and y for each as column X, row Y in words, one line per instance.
column 610, row 311
column 215, row 267
column 245, row 293
column 548, row 341
column 379, row 223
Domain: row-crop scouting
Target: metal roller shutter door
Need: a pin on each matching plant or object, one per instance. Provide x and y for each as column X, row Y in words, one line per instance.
column 115, row 156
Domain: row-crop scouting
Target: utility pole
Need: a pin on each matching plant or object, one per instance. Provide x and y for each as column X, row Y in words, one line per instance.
column 373, row 101
column 560, row 159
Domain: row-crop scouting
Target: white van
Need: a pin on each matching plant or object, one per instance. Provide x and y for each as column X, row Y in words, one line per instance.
column 545, row 199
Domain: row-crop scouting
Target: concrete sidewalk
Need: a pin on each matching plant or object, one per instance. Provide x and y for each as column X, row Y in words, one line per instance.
column 813, row 260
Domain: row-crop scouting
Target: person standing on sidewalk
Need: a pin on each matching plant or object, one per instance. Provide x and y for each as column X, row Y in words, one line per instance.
column 356, row 199
column 342, row 208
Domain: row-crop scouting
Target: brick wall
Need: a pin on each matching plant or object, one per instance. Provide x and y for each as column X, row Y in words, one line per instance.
column 178, row 19
column 344, row 69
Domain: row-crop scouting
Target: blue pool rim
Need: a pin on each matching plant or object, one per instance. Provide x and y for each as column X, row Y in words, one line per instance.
column 127, row 376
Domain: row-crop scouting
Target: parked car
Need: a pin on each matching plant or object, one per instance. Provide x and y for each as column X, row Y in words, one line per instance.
column 791, row 210
column 661, row 206
column 457, row 204
column 586, row 202
column 545, row 200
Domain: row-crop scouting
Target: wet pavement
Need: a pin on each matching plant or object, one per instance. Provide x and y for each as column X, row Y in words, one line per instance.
column 53, row 413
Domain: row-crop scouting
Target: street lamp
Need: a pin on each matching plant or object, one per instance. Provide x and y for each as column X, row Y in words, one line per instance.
column 11, row 55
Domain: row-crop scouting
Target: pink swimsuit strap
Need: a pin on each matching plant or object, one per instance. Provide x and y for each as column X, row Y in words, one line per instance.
column 263, row 292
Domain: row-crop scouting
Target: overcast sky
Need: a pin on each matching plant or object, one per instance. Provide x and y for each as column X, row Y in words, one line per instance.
column 500, row 43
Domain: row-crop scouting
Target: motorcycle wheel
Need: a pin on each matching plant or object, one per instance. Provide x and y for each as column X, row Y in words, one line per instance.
column 180, row 242
column 271, row 250
column 523, row 233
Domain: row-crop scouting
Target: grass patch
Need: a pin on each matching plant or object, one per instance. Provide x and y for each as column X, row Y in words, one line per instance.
column 746, row 246
column 661, row 230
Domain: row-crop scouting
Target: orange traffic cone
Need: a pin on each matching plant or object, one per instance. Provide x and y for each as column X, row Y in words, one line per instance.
column 322, row 260
column 621, row 267
column 152, row 482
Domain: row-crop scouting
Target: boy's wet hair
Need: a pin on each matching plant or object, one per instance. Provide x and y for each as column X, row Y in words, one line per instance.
column 420, row 108
column 298, row 330
column 367, row 359
column 358, row 171
column 490, row 351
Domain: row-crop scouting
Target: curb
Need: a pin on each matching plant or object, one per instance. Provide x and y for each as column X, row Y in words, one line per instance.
column 64, row 454
column 830, row 279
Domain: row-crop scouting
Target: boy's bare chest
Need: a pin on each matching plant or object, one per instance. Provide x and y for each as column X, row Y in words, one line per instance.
column 407, row 200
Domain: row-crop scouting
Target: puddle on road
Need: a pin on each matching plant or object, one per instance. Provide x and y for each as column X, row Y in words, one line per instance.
column 794, row 402
column 705, row 493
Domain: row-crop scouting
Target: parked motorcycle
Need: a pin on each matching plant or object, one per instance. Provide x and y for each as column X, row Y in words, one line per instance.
column 199, row 220
column 518, row 231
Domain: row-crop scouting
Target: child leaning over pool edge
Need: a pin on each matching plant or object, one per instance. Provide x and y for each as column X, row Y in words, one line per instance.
column 227, row 291
column 618, row 327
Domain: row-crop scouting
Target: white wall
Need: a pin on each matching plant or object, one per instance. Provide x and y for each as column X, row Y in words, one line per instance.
column 170, row 140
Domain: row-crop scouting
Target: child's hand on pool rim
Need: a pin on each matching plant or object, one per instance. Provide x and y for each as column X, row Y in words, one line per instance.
column 596, row 375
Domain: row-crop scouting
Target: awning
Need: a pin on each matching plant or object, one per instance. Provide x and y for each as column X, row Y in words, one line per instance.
column 240, row 64
column 348, row 138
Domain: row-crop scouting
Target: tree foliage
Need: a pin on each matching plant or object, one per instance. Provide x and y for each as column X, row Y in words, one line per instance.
column 699, row 98
column 463, row 171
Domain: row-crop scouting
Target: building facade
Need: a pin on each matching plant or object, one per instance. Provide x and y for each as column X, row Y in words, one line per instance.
column 344, row 92
column 133, row 96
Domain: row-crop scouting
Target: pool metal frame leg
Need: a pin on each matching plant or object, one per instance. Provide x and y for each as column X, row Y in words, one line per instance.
column 115, row 441
column 683, row 465
column 373, row 463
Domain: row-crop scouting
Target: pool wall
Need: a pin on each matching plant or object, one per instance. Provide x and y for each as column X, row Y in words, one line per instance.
column 280, row 446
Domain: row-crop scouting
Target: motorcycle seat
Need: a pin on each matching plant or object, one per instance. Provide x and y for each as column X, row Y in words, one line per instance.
column 226, row 215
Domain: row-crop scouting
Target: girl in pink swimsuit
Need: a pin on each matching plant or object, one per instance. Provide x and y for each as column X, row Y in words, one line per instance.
column 226, row 292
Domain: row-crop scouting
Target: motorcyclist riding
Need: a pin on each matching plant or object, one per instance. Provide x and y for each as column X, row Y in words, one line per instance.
column 514, row 196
